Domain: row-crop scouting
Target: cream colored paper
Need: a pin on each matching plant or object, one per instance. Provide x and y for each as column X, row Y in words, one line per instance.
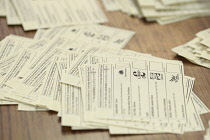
column 2, row 8
column 111, row 5
column 11, row 14
column 157, row 74
column 24, row 107
column 171, row 2
column 187, row 52
column 44, row 14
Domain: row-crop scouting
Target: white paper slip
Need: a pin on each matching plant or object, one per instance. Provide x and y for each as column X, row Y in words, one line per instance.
column 171, row 2
column 44, row 14
column 39, row 34
column 196, row 5
column 71, row 105
column 88, row 74
column 90, row 98
column 201, row 108
column 72, row 108
column 188, row 87
column 45, row 57
column 187, row 52
column 151, row 12
column 71, row 77
column 116, row 105
column 30, row 79
column 51, row 87
column 130, row 126
column 205, row 34
column 24, row 107
column 199, row 49
column 161, row 11
column 194, row 121
column 117, row 130
column 7, row 102
column 88, row 115
column 206, row 42
column 6, row 63
column 111, row 5
column 23, row 59
column 12, row 44
column 172, row 19
column 196, row 50
column 42, row 61
column 96, row 35
column 2, row 8
column 28, row 89
column 129, row 7
column 11, row 14
column 146, row 3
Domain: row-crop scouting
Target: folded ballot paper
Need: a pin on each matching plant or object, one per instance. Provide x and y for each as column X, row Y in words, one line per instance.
column 161, row 11
column 197, row 50
column 38, row 14
column 83, row 73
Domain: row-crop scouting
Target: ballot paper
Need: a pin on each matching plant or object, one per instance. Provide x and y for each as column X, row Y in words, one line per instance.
column 171, row 2
column 95, row 35
column 197, row 50
column 6, row 102
column 26, row 107
column 127, row 6
column 11, row 14
column 12, row 44
column 120, row 36
column 90, row 102
column 38, row 14
column 129, row 113
column 122, row 124
column 2, row 8
column 39, row 34
column 162, row 11
column 160, row 5
column 111, row 5
column 72, row 97
column 83, row 74
column 11, row 49
column 47, row 56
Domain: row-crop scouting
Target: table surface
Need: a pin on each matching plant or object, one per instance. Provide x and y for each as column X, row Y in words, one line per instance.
column 150, row 38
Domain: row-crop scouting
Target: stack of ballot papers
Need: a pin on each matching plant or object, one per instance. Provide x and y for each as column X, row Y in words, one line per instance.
column 162, row 11
column 83, row 73
column 207, row 136
column 130, row 7
column 197, row 50
column 38, row 14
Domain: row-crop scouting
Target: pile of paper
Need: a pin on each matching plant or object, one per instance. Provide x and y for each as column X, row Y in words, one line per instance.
column 127, row 6
column 83, row 74
column 207, row 136
column 162, row 11
column 37, row 14
column 197, row 50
